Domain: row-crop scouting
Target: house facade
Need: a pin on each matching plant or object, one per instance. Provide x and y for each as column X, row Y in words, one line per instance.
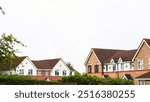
column 51, row 69
column 127, row 64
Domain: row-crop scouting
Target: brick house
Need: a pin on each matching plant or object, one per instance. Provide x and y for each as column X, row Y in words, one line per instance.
column 119, row 63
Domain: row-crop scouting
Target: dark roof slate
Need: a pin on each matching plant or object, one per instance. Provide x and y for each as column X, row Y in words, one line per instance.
column 105, row 55
column 46, row 64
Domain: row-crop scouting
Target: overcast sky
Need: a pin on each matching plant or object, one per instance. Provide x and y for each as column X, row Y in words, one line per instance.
column 70, row 28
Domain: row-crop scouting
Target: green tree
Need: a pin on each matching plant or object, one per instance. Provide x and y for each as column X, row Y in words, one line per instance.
column 7, row 49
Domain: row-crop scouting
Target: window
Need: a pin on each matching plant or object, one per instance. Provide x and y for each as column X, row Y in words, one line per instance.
column 96, row 70
column 46, row 73
column 70, row 73
column 141, row 82
column 89, row 69
column 56, row 72
column 149, row 63
column 114, row 67
column 122, row 66
column 21, row 72
column 140, row 64
column 106, row 67
column 131, row 66
column 64, row 72
column 30, row 72
column 39, row 72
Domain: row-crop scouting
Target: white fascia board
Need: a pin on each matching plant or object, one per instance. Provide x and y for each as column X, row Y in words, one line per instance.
column 143, row 41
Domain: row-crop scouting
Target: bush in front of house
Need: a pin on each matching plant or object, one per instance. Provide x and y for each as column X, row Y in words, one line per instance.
column 23, row 80
column 94, row 80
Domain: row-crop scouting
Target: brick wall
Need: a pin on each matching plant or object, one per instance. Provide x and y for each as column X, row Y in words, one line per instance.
column 93, row 61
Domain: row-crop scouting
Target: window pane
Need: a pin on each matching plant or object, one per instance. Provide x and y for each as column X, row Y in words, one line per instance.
column 64, row 73
column 46, row 73
column 122, row 66
column 57, row 72
column 39, row 72
column 89, row 69
column 96, row 69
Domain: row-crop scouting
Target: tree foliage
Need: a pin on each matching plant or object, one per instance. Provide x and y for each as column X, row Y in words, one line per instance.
column 7, row 49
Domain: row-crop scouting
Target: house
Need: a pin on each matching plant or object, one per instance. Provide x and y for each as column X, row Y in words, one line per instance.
column 20, row 65
column 141, row 61
column 52, row 69
column 127, row 64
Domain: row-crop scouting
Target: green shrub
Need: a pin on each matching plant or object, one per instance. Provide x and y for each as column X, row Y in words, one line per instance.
column 94, row 80
column 23, row 80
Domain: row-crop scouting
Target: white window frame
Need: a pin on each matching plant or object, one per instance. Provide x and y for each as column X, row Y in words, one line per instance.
column 56, row 72
column 39, row 72
column 30, row 72
column 148, row 63
column 64, row 73
column 46, row 73
column 122, row 66
column 140, row 64
column 21, row 72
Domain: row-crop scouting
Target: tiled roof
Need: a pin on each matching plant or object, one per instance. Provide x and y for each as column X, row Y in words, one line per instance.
column 15, row 63
column 147, row 41
column 105, row 55
column 125, row 55
column 146, row 75
column 46, row 64
column 128, row 76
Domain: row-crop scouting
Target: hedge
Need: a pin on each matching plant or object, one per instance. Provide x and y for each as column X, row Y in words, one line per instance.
column 94, row 80
column 23, row 80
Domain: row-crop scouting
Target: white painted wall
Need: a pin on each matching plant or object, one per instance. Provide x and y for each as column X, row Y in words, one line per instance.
column 61, row 66
column 127, row 67
column 9, row 72
column 26, row 64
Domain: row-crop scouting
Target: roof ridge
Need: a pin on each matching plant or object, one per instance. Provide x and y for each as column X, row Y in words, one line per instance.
column 109, row 49
column 47, row 59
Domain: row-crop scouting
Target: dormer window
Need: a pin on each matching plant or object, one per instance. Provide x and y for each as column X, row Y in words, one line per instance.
column 112, row 61
column 120, row 60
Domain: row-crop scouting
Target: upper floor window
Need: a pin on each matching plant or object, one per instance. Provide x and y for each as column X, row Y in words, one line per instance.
column 114, row 67
column 21, row 71
column 39, row 72
column 96, row 69
column 149, row 63
column 57, row 72
column 46, row 73
column 89, row 69
column 140, row 64
column 64, row 72
column 122, row 66
column 131, row 66
column 30, row 72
